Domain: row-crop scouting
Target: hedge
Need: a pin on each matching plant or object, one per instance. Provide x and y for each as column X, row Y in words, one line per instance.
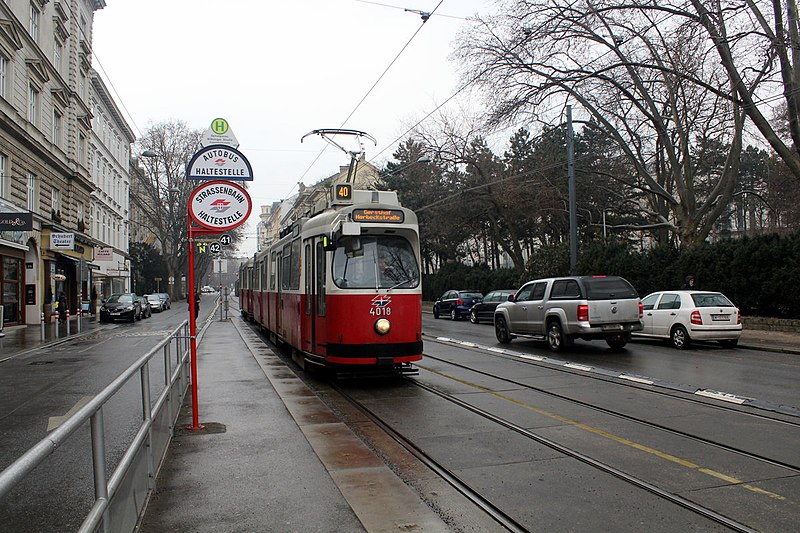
column 759, row 274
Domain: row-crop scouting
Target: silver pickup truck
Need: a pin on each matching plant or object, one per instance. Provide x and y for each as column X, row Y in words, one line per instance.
column 560, row 310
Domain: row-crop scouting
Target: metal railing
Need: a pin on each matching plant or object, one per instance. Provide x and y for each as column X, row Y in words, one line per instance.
column 149, row 445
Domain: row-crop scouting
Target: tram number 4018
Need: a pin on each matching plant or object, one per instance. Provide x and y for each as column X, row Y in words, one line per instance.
column 380, row 311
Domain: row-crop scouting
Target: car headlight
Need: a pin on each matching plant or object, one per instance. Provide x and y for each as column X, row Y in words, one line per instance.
column 382, row 326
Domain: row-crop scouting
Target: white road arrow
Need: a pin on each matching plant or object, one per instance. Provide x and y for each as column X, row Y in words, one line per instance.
column 54, row 421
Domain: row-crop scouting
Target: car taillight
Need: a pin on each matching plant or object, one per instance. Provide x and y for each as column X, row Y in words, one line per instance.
column 583, row 313
column 459, row 302
column 641, row 309
column 696, row 318
column 738, row 317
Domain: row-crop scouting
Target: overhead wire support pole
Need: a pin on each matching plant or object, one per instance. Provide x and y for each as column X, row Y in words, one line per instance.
column 573, row 218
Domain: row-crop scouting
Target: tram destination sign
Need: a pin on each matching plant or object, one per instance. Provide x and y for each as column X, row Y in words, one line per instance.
column 220, row 205
column 393, row 216
column 219, row 162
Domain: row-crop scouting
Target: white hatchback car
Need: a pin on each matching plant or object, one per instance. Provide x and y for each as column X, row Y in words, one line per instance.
column 686, row 316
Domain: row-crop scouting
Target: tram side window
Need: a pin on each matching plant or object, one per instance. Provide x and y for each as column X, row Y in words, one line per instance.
column 320, row 280
column 286, row 265
column 263, row 281
column 294, row 278
column 272, row 270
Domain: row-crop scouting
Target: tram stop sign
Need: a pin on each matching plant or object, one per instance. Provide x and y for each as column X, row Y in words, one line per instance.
column 220, row 205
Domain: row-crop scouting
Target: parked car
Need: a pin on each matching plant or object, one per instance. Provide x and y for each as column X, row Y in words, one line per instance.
column 207, row 289
column 157, row 303
column 484, row 310
column 121, row 306
column 685, row 316
column 165, row 298
column 146, row 311
column 456, row 304
column 560, row 310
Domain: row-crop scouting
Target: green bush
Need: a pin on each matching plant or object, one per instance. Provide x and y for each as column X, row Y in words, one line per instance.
column 759, row 274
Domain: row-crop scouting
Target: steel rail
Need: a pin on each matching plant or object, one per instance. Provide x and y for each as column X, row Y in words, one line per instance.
column 649, row 487
column 485, row 505
column 696, row 438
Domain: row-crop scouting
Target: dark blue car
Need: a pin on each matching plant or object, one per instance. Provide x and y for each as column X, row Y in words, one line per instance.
column 456, row 304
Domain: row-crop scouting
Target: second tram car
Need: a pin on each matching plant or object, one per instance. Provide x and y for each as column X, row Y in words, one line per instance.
column 342, row 287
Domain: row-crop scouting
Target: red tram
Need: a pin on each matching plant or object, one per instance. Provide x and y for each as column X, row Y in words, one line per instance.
column 342, row 287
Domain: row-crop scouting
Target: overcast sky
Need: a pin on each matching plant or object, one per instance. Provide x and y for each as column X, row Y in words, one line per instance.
column 277, row 70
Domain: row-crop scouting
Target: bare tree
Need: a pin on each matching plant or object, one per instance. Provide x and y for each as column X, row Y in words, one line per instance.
column 758, row 43
column 647, row 78
column 161, row 192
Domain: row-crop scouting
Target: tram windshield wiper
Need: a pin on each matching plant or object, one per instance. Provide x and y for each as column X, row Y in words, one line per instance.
column 401, row 283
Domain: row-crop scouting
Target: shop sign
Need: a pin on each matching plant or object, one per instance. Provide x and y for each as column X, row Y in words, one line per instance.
column 103, row 253
column 62, row 241
column 16, row 221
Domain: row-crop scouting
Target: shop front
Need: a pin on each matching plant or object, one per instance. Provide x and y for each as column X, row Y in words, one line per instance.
column 112, row 273
column 14, row 229
column 65, row 261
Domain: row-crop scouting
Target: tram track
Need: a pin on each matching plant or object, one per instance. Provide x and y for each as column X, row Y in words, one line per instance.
column 493, row 510
column 646, row 423
column 487, row 506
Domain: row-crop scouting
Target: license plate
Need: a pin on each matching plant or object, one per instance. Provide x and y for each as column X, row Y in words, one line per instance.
column 612, row 327
column 720, row 317
column 115, row 314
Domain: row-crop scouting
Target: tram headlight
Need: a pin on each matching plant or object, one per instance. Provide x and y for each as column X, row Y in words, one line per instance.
column 382, row 326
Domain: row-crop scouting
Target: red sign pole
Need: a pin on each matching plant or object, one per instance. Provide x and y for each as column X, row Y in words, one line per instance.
column 192, row 327
column 216, row 202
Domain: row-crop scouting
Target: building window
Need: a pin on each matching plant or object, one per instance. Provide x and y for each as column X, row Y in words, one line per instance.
column 33, row 104
column 58, row 50
column 81, row 149
column 81, row 215
column 3, row 75
column 55, row 200
column 5, row 183
column 33, row 26
column 56, row 127
column 32, row 188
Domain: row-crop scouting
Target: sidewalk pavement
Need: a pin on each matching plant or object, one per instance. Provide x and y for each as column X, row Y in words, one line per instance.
column 272, row 456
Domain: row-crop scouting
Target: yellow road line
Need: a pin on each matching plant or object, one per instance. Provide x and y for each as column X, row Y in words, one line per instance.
column 615, row 438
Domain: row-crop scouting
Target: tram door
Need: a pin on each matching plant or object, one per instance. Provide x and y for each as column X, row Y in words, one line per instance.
column 279, row 297
column 314, row 309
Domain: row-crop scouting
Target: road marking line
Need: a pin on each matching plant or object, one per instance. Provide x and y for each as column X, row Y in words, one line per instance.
column 724, row 396
column 637, row 380
column 578, row 367
column 621, row 440
column 54, row 421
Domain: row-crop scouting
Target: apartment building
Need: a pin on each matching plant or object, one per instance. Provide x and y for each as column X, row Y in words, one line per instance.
column 109, row 162
column 48, row 155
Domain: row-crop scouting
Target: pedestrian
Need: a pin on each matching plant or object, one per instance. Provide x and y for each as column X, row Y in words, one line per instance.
column 689, row 284
column 196, row 303
column 61, row 306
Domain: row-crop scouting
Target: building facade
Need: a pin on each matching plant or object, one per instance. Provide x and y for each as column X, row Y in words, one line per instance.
column 46, row 183
column 281, row 214
column 110, row 163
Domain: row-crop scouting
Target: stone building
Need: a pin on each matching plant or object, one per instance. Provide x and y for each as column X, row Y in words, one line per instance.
column 50, row 195
column 282, row 214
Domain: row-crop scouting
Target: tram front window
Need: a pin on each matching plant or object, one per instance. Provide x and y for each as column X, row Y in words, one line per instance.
column 377, row 262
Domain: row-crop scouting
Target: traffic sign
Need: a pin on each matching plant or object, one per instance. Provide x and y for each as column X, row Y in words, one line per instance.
column 219, row 132
column 219, row 205
column 215, row 248
column 225, row 240
column 219, row 161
